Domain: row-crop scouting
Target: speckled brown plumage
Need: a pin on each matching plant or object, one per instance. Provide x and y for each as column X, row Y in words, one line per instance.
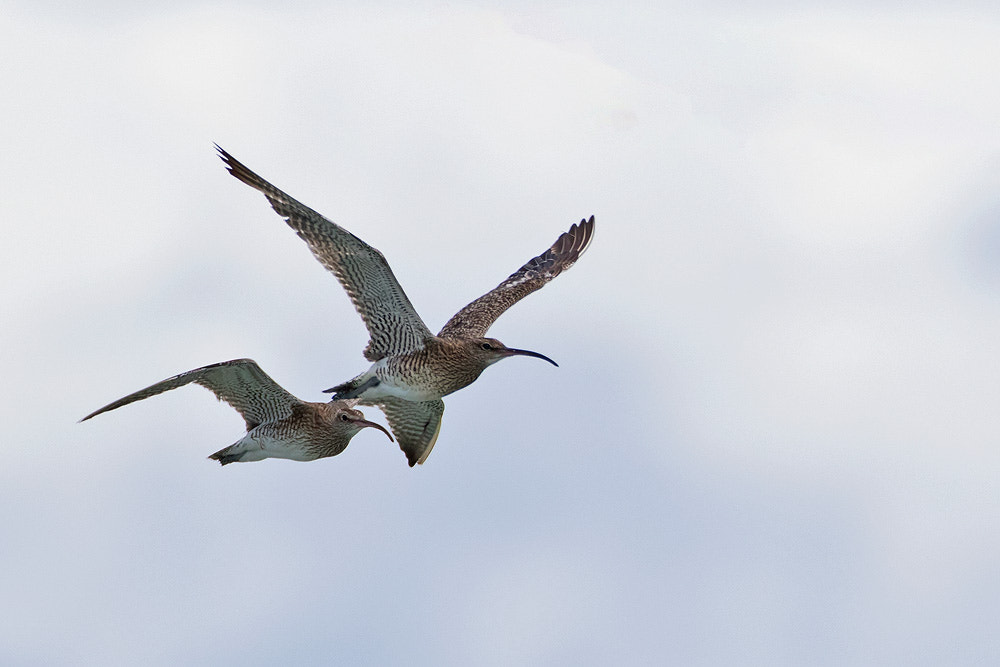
column 393, row 324
column 412, row 369
column 415, row 423
column 279, row 425
column 475, row 319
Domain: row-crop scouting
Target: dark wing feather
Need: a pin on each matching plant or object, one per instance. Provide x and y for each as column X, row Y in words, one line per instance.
column 241, row 383
column 393, row 324
column 476, row 318
column 415, row 424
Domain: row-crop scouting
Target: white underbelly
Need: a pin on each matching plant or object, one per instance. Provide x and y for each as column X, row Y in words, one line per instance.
column 260, row 446
column 406, row 392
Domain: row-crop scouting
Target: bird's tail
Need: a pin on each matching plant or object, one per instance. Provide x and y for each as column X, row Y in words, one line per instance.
column 352, row 388
column 231, row 454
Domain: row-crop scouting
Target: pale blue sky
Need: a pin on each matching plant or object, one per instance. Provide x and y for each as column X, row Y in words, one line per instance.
column 772, row 438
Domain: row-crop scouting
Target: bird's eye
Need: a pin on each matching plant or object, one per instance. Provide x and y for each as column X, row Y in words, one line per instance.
column 344, row 418
column 486, row 346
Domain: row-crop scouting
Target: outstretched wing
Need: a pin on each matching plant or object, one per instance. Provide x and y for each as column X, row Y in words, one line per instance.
column 393, row 324
column 415, row 424
column 474, row 320
column 240, row 383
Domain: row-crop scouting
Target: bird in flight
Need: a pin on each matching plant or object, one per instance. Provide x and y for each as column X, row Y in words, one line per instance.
column 279, row 425
column 411, row 367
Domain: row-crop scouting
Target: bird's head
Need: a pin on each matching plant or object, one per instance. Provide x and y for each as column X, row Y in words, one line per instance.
column 488, row 351
column 352, row 421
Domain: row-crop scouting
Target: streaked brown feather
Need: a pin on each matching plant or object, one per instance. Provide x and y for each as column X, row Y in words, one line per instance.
column 241, row 383
column 415, row 424
column 475, row 319
column 392, row 322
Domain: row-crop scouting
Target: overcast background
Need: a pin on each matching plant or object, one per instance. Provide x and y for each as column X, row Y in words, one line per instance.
column 772, row 438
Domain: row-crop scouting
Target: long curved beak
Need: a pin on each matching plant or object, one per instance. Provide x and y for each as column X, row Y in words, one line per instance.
column 364, row 422
column 528, row 353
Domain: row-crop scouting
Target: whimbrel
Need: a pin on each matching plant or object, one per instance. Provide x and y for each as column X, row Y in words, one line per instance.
column 279, row 425
column 412, row 368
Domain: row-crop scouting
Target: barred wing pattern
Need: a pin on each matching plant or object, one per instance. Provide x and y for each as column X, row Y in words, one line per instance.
column 476, row 318
column 241, row 383
column 393, row 324
column 415, row 424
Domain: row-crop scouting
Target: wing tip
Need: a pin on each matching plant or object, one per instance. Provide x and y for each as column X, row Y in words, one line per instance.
column 571, row 244
column 224, row 156
column 586, row 227
column 242, row 172
column 233, row 166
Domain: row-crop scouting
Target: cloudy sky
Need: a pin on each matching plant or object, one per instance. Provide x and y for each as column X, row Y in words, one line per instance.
column 773, row 435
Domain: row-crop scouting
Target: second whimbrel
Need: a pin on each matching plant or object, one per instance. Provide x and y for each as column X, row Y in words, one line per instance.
column 412, row 368
column 279, row 425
